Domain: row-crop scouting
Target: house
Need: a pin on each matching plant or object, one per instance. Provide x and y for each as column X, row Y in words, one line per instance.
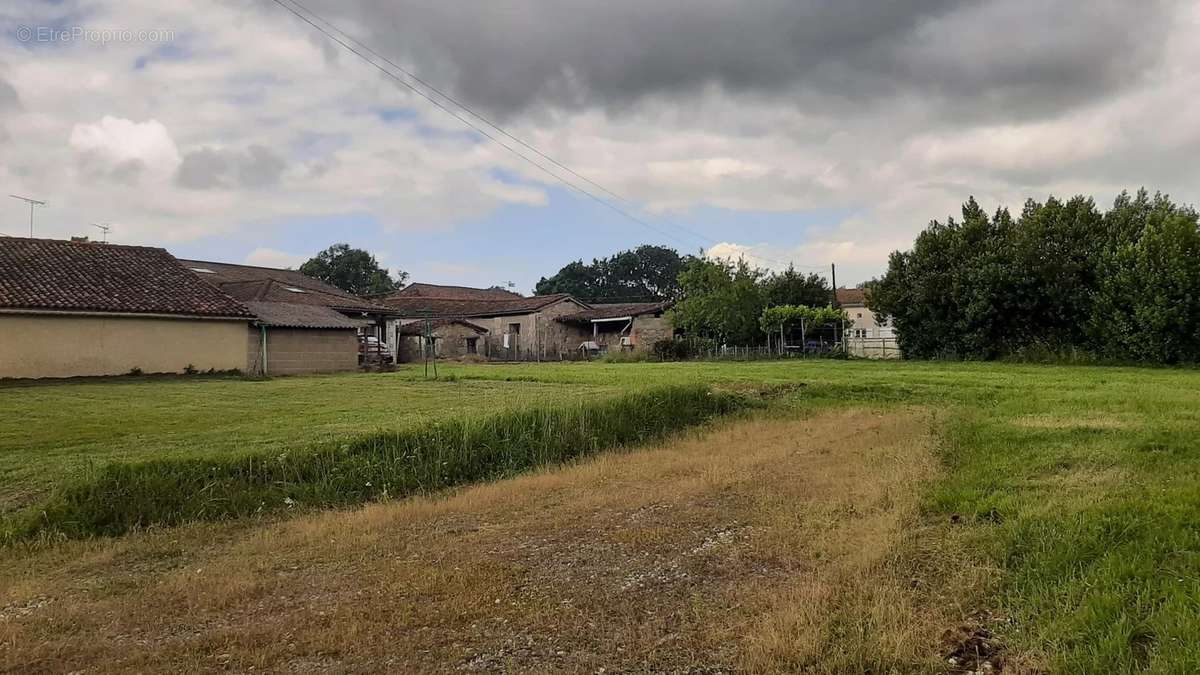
column 865, row 334
column 622, row 326
column 317, row 335
column 863, row 322
column 76, row 308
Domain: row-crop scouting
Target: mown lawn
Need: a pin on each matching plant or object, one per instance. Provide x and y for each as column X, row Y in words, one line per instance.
column 50, row 432
column 1079, row 485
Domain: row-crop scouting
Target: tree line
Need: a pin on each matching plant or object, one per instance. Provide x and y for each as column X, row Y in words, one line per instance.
column 1061, row 278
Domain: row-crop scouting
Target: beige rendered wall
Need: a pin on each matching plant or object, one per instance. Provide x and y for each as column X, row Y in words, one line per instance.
column 34, row 346
column 299, row 351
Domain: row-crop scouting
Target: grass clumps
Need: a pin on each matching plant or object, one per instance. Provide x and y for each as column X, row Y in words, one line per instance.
column 122, row 496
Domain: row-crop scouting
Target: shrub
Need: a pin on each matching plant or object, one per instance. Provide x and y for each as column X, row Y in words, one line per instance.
column 119, row 497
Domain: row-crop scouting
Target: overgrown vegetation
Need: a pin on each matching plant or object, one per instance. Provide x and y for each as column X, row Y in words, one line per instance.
column 724, row 301
column 1062, row 278
column 122, row 496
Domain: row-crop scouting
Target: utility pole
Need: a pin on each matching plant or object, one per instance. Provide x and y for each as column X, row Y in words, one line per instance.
column 833, row 275
column 104, row 228
column 32, row 203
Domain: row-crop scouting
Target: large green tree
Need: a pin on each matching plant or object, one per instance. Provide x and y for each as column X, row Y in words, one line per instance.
column 1061, row 277
column 644, row 274
column 791, row 287
column 722, row 300
column 353, row 270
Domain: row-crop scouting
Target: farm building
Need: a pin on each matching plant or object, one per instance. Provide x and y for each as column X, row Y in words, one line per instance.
column 325, row 337
column 448, row 338
column 76, row 308
column 515, row 327
column 294, row 339
column 624, row 326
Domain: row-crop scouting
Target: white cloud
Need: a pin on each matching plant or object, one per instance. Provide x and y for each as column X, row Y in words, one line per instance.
column 114, row 144
column 269, row 257
column 249, row 119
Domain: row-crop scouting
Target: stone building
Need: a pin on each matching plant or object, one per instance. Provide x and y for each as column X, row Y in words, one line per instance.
column 519, row 328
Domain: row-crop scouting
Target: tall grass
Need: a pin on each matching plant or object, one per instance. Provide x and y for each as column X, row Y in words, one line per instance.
column 119, row 497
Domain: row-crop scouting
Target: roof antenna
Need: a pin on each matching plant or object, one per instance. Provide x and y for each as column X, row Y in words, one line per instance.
column 104, row 228
column 32, row 203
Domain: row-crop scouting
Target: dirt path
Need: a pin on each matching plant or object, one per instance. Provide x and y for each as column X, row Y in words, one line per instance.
column 765, row 545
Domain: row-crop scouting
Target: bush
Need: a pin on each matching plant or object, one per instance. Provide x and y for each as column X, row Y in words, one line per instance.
column 119, row 497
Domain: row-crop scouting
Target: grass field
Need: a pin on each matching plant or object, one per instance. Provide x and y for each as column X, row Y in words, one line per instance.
column 1055, row 507
column 49, row 432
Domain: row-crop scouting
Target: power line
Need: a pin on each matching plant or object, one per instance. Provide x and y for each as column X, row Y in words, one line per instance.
column 366, row 48
column 467, row 122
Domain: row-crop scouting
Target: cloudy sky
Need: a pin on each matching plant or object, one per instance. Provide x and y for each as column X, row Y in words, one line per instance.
column 787, row 130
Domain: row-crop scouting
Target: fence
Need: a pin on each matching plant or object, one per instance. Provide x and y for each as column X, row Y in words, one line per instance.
column 873, row 348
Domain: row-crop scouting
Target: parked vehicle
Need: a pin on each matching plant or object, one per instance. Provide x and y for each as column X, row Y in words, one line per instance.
column 373, row 350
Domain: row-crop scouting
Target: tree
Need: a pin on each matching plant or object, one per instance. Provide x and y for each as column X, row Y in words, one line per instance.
column 644, row 274
column 1147, row 305
column 1062, row 277
column 721, row 299
column 791, row 287
column 353, row 270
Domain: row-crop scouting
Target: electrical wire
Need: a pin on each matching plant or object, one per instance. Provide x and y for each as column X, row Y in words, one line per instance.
column 312, row 18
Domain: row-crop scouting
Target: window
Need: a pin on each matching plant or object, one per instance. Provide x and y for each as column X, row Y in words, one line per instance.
column 514, row 328
column 860, row 315
column 294, row 289
column 473, row 345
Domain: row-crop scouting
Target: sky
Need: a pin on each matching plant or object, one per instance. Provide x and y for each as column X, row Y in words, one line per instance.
column 785, row 131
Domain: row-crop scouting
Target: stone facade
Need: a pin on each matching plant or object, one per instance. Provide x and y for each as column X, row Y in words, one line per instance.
column 451, row 341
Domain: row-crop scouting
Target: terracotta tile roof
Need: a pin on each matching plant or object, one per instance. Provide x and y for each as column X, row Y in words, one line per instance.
column 615, row 310
column 268, row 284
column 851, row 296
column 443, row 308
column 291, row 315
column 418, row 327
column 451, row 293
column 54, row 275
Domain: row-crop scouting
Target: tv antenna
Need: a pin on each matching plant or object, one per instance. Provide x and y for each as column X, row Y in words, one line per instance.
column 32, row 203
column 104, row 228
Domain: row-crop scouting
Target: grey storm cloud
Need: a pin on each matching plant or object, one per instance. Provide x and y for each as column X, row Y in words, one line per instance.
column 1038, row 56
column 211, row 168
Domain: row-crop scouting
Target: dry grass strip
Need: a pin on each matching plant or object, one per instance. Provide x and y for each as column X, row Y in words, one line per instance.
column 765, row 545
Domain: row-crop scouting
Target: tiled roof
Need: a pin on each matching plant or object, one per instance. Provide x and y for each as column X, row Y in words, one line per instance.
column 443, row 308
column 452, row 293
column 49, row 274
column 851, row 296
column 418, row 327
column 291, row 315
column 268, row 284
column 616, row 310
